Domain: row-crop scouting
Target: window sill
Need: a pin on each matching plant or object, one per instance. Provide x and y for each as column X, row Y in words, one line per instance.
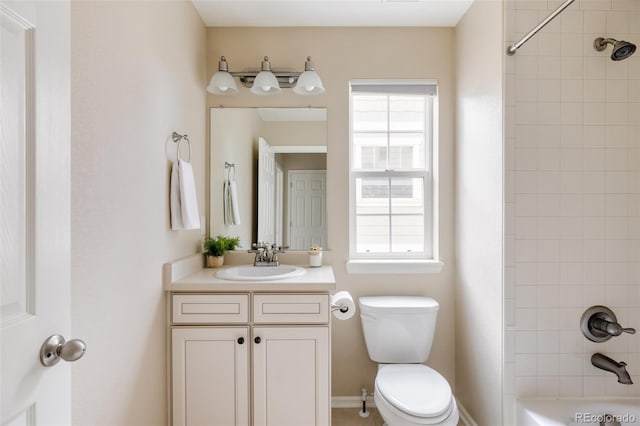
column 388, row 266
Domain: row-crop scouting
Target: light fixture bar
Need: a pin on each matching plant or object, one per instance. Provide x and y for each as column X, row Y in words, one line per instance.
column 286, row 79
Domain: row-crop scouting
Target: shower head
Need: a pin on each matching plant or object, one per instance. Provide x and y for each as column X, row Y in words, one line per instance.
column 621, row 49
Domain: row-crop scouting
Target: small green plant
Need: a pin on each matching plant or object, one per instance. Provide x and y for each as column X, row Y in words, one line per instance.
column 219, row 245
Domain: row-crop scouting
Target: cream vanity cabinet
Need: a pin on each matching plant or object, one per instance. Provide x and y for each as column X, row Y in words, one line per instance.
column 253, row 358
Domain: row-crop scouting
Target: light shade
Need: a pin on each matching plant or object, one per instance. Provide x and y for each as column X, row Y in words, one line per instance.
column 265, row 82
column 309, row 82
column 222, row 82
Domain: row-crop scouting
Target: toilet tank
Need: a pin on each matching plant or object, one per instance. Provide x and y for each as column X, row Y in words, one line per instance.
column 398, row 329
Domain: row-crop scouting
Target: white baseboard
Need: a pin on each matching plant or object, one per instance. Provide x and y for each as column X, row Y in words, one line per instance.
column 350, row 402
column 356, row 402
column 465, row 417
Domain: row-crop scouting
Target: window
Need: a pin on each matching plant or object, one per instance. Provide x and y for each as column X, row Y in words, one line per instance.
column 391, row 170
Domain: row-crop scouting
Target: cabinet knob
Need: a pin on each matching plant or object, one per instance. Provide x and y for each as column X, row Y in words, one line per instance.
column 257, row 340
column 240, row 340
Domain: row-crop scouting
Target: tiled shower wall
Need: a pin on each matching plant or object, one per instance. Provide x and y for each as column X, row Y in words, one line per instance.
column 572, row 195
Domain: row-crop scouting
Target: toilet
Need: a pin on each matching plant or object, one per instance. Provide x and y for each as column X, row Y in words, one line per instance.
column 398, row 332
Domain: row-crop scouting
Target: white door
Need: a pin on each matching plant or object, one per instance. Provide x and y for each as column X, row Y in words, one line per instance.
column 291, row 376
column 210, row 376
column 34, row 209
column 307, row 208
column 266, row 193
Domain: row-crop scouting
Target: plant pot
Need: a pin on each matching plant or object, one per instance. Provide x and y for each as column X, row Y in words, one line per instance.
column 215, row 261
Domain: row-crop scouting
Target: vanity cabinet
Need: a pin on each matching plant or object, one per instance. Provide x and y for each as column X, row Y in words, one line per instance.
column 255, row 358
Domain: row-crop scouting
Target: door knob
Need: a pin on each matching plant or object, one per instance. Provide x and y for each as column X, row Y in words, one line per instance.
column 56, row 347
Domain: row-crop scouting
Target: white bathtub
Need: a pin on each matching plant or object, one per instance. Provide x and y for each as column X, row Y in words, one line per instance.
column 574, row 412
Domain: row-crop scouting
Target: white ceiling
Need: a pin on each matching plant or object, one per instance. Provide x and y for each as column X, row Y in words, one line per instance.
column 331, row 13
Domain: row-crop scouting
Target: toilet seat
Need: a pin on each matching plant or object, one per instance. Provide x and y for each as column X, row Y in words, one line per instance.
column 415, row 394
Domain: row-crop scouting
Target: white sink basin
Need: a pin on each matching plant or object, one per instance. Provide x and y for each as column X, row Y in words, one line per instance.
column 260, row 273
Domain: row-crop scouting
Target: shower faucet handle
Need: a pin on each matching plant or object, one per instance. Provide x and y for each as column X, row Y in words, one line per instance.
column 600, row 324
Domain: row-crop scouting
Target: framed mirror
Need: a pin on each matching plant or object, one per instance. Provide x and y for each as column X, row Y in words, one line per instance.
column 268, row 175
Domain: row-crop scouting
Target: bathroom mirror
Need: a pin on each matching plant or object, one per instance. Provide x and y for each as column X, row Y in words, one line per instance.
column 268, row 175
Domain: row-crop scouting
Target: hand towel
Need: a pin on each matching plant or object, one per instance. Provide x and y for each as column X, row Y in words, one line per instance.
column 233, row 198
column 176, row 209
column 188, row 196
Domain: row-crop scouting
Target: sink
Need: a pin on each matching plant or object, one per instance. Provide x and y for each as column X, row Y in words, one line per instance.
column 260, row 273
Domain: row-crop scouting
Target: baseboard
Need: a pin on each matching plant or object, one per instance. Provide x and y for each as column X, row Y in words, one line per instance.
column 465, row 417
column 356, row 402
column 350, row 402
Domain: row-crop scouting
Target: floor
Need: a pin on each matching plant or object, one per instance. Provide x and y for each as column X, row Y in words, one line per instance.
column 350, row 417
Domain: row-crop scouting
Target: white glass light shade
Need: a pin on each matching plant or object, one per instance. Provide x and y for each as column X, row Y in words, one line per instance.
column 222, row 83
column 309, row 83
column 265, row 83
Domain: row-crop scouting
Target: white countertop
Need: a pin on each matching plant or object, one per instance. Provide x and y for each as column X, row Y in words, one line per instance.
column 204, row 279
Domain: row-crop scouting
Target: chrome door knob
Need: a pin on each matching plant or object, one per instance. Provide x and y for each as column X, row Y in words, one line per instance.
column 56, row 348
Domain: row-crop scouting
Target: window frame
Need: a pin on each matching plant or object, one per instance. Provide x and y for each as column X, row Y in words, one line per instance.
column 406, row 261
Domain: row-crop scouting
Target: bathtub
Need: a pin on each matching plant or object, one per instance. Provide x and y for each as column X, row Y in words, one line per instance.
column 574, row 412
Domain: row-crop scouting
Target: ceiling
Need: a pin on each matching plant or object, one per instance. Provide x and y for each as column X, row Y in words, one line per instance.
column 331, row 13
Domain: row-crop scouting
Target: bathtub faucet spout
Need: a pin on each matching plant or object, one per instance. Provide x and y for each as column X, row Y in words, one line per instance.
column 618, row 368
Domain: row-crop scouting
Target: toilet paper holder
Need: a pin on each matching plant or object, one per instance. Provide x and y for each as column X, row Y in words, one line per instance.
column 342, row 308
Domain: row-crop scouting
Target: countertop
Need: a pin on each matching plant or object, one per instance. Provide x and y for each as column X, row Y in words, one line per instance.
column 314, row 279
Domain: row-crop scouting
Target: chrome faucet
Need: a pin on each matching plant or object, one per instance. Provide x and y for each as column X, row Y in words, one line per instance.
column 266, row 254
column 618, row 368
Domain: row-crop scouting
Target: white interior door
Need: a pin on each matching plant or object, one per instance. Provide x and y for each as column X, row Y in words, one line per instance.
column 266, row 193
column 34, row 209
column 307, row 208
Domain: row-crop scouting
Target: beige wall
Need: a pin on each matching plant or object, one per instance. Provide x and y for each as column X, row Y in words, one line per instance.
column 479, row 211
column 342, row 54
column 138, row 73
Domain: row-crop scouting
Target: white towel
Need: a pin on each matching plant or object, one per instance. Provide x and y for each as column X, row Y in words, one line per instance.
column 184, row 201
column 230, row 203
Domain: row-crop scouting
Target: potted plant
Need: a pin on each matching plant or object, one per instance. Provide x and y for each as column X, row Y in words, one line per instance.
column 217, row 247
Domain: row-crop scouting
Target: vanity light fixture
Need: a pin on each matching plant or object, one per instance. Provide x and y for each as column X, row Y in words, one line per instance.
column 266, row 81
column 222, row 82
column 309, row 82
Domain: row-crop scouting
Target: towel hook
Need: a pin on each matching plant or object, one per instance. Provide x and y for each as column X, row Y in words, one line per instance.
column 178, row 138
column 230, row 166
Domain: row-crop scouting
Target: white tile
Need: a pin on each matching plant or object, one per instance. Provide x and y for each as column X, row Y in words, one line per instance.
column 571, row 22
column 571, row 228
column 617, row 22
column 572, row 135
column 526, row 386
column 549, row 90
column 548, row 205
column 634, row 90
column 594, row 91
column 617, row 274
column 593, row 386
column 570, row 385
column 526, row 297
column 526, row 90
column 548, row 159
column 594, row 182
column 571, row 364
column 526, row 182
column 526, row 136
column 571, row 251
column 571, row 275
column 595, row 68
column 617, row 183
column 616, row 207
column 526, row 273
column 526, row 67
column 548, row 364
column 571, row 113
column 594, row 159
column 594, row 136
column 634, row 112
column 616, row 159
column 617, row 91
column 617, row 136
column 595, row 22
column 572, row 67
column 525, row 20
column 617, row 251
column 571, row 340
column 593, row 205
column 510, row 312
column 571, row 182
column 549, row 136
column 549, row 68
column 527, row 113
column 595, row 114
column 548, row 43
column 616, row 69
column 549, row 182
column 526, row 365
column 617, row 296
column 617, row 227
column 572, row 90
column 526, row 159
column 548, row 318
column 526, row 341
column 571, row 159
column 526, row 319
column 549, row 250
column 547, row 386
column 595, row 274
column 549, row 342
column 594, row 250
column 595, row 4
column 548, row 280
column 549, row 113
column 593, row 295
column 526, row 204
column 617, row 114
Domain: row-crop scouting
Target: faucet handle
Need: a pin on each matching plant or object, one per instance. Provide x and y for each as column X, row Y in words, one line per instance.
column 611, row 328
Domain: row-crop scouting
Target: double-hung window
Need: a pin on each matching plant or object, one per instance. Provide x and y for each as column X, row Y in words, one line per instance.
column 392, row 214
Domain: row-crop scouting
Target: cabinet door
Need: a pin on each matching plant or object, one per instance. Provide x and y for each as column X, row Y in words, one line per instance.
column 291, row 376
column 210, row 373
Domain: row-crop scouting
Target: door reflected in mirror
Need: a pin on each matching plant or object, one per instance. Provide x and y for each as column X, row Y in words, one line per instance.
column 278, row 175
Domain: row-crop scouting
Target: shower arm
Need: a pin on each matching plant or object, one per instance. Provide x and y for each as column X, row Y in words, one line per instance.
column 511, row 50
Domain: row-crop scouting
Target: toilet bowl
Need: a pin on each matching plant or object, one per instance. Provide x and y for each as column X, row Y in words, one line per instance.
column 398, row 332
column 414, row 394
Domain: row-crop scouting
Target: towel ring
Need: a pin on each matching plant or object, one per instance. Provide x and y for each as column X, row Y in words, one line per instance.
column 229, row 167
column 178, row 138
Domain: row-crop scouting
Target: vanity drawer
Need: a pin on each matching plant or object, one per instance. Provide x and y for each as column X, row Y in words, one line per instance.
column 210, row 308
column 291, row 308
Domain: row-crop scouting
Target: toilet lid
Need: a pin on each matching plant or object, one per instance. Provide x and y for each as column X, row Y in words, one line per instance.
column 414, row 389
